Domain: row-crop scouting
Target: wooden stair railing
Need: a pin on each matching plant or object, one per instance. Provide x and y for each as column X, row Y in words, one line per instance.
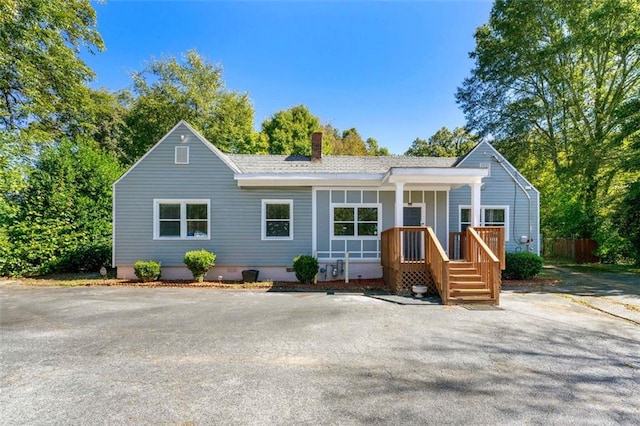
column 493, row 236
column 406, row 250
column 438, row 263
column 457, row 245
column 409, row 250
column 485, row 262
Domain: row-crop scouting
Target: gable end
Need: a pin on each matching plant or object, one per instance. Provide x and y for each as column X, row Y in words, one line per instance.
column 499, row 157
column 223, row 157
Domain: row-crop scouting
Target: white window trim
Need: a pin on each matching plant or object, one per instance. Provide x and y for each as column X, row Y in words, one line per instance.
column 264, row 220
column 178, row 148
column 183, row 218
column 329, row 255
column 332, row 206
column 482, row 209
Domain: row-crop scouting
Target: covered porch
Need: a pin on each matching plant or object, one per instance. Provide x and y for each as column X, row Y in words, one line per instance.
column 414, row 256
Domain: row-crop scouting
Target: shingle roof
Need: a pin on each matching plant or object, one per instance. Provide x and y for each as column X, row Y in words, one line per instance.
column 333, row 164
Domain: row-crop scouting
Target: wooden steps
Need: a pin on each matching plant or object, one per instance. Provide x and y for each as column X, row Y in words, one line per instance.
column 466, row 286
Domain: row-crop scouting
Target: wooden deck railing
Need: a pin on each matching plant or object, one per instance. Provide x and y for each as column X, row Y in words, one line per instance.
column 403, row 245
column 413, row 255
column 410, row 254
column 438, row 262
column 389, row 248
column 493, row 236
column 457, row 245
column 486, row 263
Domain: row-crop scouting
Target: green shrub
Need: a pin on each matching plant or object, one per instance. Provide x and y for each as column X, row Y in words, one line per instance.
column 147, row 270
column 306, row 268
column 88, row 257
column 521, row 266
column 199, row 262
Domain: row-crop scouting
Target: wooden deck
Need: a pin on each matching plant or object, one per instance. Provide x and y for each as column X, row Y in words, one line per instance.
column 414, row 256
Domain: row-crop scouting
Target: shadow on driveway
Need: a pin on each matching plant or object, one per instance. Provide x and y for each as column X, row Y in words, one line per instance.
column 597, row 284
column 615, row 294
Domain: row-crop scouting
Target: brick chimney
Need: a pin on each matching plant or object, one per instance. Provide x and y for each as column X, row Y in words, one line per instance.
column 316, row 146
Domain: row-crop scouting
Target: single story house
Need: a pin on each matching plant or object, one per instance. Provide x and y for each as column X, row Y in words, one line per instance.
column 260, row 211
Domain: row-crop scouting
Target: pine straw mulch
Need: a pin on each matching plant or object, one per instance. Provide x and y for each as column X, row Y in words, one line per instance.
column 357, row 285
column 361, row 285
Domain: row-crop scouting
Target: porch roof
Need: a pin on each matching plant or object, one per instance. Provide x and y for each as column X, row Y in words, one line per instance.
column 451, row 176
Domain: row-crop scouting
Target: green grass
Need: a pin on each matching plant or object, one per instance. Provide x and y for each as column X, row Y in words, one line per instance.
column 602, row 267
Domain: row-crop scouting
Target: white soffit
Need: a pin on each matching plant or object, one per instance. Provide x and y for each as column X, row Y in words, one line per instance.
column 451, row 177
column 458, row 175
column 315, row 179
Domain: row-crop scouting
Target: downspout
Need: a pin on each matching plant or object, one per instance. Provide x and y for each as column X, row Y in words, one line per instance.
column 523, row 190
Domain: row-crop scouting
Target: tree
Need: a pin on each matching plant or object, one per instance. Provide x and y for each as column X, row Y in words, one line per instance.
column 549, row 82
column 62, row 220
column 330, row 137
column 628, row 217
column 42, row 79
column 101, row 119
column 350, row 143
column 168, row 91
column 374, row 149
column 443, row 143
column 289, row 131
column 41, row 73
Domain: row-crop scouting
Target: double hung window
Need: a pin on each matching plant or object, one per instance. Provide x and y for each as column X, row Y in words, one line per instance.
column 277, row 219
column 355, row 221
column 181, row 219
column 489, row 216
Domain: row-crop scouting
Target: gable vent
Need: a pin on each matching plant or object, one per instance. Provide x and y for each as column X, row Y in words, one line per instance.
column 182, row 155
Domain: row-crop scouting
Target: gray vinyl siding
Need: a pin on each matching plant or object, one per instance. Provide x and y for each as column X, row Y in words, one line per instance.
column 235, row 213
column 323, row 220
column 436, row 216
column 499, row 189
column 326, row 197
column 388, row 201
column 430, row 213
column 435, row 205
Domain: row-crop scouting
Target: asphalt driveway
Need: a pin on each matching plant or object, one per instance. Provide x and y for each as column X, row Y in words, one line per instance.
column 108, row 355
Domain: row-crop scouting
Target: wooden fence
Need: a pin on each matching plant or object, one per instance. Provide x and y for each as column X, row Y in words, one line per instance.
column 570, row 249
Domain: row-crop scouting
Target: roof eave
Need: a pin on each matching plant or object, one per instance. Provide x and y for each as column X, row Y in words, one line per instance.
column 308, row 179
column 458, row 175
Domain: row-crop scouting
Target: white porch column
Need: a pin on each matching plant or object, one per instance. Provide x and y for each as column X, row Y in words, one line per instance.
column 399, row 203
column 475, row 203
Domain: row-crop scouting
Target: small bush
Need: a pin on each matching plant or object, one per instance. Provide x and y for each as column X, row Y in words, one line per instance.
column 199, row 262
column 521, row 266
column 147, row 270
column 306, row 267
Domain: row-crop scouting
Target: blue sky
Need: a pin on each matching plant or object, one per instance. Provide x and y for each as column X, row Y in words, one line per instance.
column 389, row 69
